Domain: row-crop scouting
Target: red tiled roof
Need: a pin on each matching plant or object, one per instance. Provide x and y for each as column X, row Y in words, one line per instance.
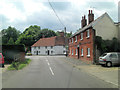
column 52, row 41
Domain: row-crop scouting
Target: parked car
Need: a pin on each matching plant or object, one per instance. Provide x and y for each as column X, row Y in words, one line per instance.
column 110, row 59
column 1, row 60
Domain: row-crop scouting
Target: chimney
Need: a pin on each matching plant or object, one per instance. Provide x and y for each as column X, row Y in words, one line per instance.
column 61, row 34
column 83, row 21
column 90, row 17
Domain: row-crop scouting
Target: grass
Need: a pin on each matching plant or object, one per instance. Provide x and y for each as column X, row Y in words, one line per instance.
column 19, row 65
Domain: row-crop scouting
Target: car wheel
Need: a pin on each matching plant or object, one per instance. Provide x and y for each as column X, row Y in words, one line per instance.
column 108, row 64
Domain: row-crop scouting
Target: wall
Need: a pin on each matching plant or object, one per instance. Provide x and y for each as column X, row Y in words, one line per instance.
column 83, row 44
column 106, row 28
column 43, row 50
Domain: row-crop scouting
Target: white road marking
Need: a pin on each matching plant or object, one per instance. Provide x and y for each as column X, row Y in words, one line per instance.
column 48, row 64
column 51, row 70
column 50, row 67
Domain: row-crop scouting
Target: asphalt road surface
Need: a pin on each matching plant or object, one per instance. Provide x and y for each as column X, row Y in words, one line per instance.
column 51, row 72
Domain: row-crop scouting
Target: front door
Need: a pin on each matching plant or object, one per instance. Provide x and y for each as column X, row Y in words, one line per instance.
column 78, row 52
column 48, row 52
column 37, row 53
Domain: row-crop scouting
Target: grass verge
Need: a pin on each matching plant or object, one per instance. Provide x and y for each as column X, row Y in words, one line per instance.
column 19, row 65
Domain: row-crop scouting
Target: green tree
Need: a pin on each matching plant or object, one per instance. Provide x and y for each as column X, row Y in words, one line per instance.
column 8, row 33
column 11, row 42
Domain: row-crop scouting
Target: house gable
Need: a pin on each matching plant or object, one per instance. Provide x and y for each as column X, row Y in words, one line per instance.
column 105, row 27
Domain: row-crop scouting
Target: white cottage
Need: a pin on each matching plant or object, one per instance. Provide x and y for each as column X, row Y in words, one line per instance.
column 49, row 46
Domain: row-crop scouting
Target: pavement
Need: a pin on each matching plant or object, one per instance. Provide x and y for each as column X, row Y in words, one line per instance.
column 53, row 72
column 5, row 68
column 109, row 75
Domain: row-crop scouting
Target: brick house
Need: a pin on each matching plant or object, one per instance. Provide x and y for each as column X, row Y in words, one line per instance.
column 82, row 43
column 50, row 46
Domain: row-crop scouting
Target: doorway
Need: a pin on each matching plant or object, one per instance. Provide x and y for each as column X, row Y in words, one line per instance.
column 37, row 53
column 78, row 52
column 48, row 52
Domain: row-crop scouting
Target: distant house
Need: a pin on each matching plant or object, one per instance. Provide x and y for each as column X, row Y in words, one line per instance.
column 50, row 46
column 82, row 43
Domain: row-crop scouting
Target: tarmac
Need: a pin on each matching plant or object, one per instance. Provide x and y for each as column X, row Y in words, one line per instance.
column 108, row 74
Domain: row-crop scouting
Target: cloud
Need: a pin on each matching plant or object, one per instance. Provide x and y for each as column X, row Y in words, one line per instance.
column 23, row 13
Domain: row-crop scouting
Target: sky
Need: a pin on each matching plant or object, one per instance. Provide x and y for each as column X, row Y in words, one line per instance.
column 23, row 13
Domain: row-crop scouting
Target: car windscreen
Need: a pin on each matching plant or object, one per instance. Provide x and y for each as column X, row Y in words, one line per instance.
column 103, row 54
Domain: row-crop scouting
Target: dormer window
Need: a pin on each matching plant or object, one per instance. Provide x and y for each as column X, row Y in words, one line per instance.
column 75, row 38
column 81, row 38
column 88, row 34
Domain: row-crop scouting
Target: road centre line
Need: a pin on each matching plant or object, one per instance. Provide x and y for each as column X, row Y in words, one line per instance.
column 51, row 70
column 50, row 67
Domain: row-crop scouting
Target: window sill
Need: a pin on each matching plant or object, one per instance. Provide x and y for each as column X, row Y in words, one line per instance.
column 88, row 55
column 81, row 55
column 76, row 54
column 81, row 39
column 88, row 37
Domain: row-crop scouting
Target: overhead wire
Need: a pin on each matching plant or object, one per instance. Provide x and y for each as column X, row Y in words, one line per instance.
column 55, row 13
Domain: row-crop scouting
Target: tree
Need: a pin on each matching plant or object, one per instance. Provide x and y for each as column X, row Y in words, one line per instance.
column 8, row 33
column 11, row 42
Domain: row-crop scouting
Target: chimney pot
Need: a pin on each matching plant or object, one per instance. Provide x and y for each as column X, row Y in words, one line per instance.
column 89, row 11
column 84, row 16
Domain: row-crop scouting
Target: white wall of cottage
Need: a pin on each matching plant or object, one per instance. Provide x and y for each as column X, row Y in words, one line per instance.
column 52, row 51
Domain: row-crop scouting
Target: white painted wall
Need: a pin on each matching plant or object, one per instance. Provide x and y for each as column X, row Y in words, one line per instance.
column 106, row 28
column 44, row 51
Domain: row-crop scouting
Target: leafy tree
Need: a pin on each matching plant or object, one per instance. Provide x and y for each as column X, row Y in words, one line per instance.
column 11, row 42
column 8, row 33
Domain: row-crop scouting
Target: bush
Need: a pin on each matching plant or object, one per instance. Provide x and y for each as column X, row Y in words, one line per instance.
column 19, row 65
column 29, row 54
column 107, row 45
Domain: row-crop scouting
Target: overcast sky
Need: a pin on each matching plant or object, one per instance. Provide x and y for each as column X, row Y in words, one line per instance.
column 23, row 13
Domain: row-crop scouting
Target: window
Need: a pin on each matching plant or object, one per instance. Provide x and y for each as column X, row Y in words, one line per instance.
column 34, row 51
column 39, row 51
column 113, row 56
column 38, row 47
column 76, row 52
column 51, row 47
column 81, row 52
column 34, row 47
column 88, row 52
column 64, row 52
column 72, row 52
column 75, row 38
column 88, row 34
column 81, row 36
column 46, row 47
column 69, row 41
column 0, row 56
column 72, row 40
column 51, row 52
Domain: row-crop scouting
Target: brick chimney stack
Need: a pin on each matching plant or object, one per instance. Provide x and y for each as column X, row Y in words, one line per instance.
column 90, row 17
column 61, row 34
column 83, row 21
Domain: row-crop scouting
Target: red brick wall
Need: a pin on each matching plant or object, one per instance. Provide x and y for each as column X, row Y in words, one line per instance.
column 84, row 44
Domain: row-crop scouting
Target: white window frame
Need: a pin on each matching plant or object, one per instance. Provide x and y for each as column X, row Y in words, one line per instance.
column 82, row 52
column 81, row 36
column 76, row 52
column 72, row 40
column 88, row 33
column 75, row 38
column 69, row 40
column 88, row 52
column 72, row 51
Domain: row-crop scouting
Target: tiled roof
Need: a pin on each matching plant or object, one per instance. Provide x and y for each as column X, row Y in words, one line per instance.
column 52, row 41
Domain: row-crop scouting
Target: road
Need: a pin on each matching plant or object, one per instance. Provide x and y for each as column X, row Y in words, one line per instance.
column 51, row 72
